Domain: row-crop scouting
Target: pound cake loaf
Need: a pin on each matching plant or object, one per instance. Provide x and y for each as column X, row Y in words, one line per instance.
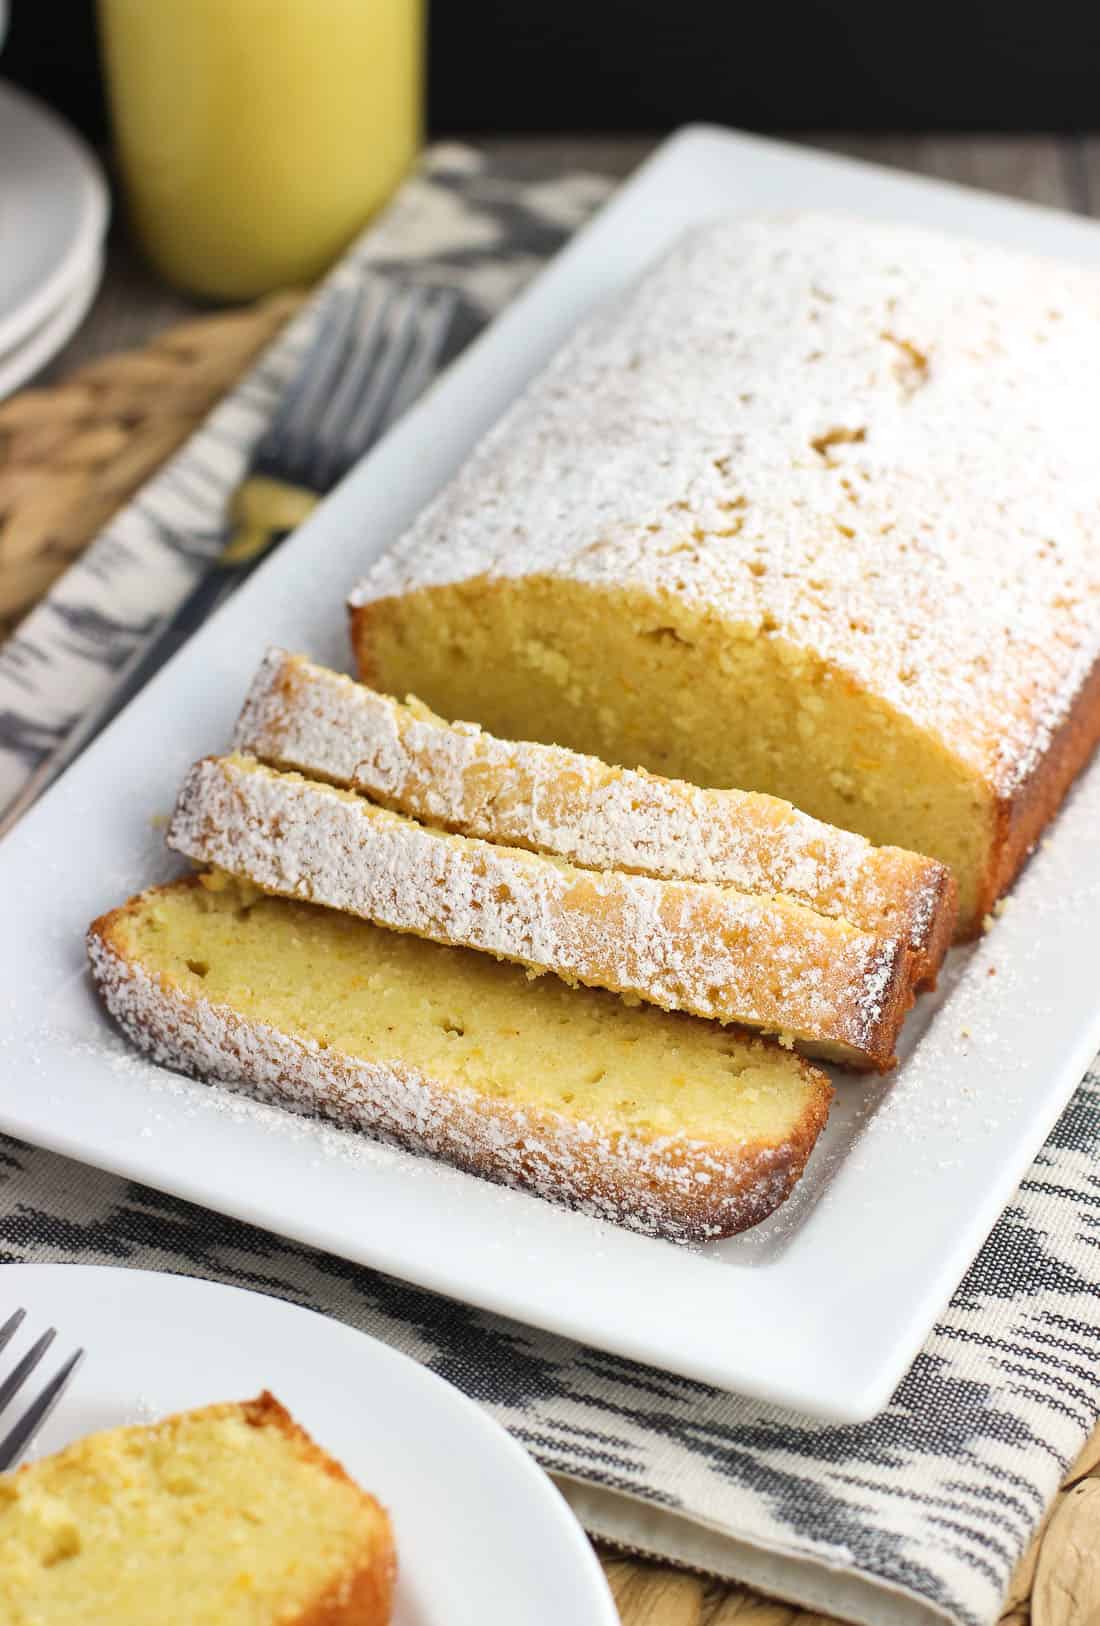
column 671, row 1126
column 228, row 1516
column 763, row 962
column 303, row 717
column 814, row 510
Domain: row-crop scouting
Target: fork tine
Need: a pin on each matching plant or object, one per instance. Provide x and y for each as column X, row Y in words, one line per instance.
column 12, row 1384
column 11, row 1327
column 315, row 358
column 309, row 388
column 317, row 364
column 373, row 351
column 20, row 1436
column 366, row 352
column 429, row 342
column 372, row 372
column 363, row 428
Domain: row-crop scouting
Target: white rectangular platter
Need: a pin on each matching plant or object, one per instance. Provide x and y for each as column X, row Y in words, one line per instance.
column 822, row 1308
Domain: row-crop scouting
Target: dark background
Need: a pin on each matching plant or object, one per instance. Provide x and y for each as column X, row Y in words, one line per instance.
column 645, row 65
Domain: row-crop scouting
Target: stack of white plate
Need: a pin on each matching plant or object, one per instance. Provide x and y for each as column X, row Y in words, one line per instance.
column 54, row 205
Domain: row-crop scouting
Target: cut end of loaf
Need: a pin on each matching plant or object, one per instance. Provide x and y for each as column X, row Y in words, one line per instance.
column 635, row 678
column 669, row 1125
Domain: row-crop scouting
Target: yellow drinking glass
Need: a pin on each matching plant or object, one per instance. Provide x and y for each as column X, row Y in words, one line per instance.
column 257, row 136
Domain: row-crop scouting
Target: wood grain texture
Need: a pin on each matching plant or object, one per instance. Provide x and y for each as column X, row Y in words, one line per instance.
column 1057, row 1582
column 1066, row 1591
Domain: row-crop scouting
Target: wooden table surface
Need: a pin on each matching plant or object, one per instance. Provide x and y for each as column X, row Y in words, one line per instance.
column 1062, row 171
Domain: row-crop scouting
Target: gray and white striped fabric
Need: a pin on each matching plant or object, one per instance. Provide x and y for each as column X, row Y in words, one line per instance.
column 916, row 1516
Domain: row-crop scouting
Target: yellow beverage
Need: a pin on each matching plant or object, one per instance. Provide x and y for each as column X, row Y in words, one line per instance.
column 257, row 136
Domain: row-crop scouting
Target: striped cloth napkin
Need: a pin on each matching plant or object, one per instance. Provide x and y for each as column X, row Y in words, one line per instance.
column 917, row 1516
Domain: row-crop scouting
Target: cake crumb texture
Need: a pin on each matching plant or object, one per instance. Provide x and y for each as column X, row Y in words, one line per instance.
column 227, row 1516
column 669, row 1125
column 762, row 961
column 303, row 717
column 811, row 510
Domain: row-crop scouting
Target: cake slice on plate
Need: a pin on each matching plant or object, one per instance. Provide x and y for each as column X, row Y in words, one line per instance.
column 671, row 1126
column 227, row 1516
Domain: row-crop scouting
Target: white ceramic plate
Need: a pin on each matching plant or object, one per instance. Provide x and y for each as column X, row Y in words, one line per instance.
column 483, row 1538
column 53, row 213
column 35, row 349
column 823, row 1307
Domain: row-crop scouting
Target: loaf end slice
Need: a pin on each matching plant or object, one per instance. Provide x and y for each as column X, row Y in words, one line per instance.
column 233, row 1508
column 665, row 1124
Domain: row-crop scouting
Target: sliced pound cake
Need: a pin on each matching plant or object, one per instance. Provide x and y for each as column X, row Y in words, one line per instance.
column 228, row 1516
column 303, row 717
column 663, row 1123
column 763, row 962
column 813, row 509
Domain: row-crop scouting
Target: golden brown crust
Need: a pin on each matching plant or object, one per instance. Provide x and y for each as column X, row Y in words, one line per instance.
column 765, row 962
column 363, row 1595
column 1020, row 819
column 928, row 918
column 105, row 928
column 963, row 608
column 945, row 914
column 360, row 617
column 894, row 1004
column 662, row 1194
column 364, row 1598
column 302, row 718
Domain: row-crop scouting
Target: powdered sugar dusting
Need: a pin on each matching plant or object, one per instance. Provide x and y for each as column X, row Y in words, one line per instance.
column 712, row 951
column 303, row 717
column 902, row 426
column 660, row 1185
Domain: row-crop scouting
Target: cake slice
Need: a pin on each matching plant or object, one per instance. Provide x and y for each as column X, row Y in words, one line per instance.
column 763, row 962
column 228, row 1516
column 812, row 509
column 665, row 1124
column 304, row 717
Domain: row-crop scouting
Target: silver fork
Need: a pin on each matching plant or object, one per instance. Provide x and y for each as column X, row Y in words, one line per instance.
column 23, row 1431
column 375, row 350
